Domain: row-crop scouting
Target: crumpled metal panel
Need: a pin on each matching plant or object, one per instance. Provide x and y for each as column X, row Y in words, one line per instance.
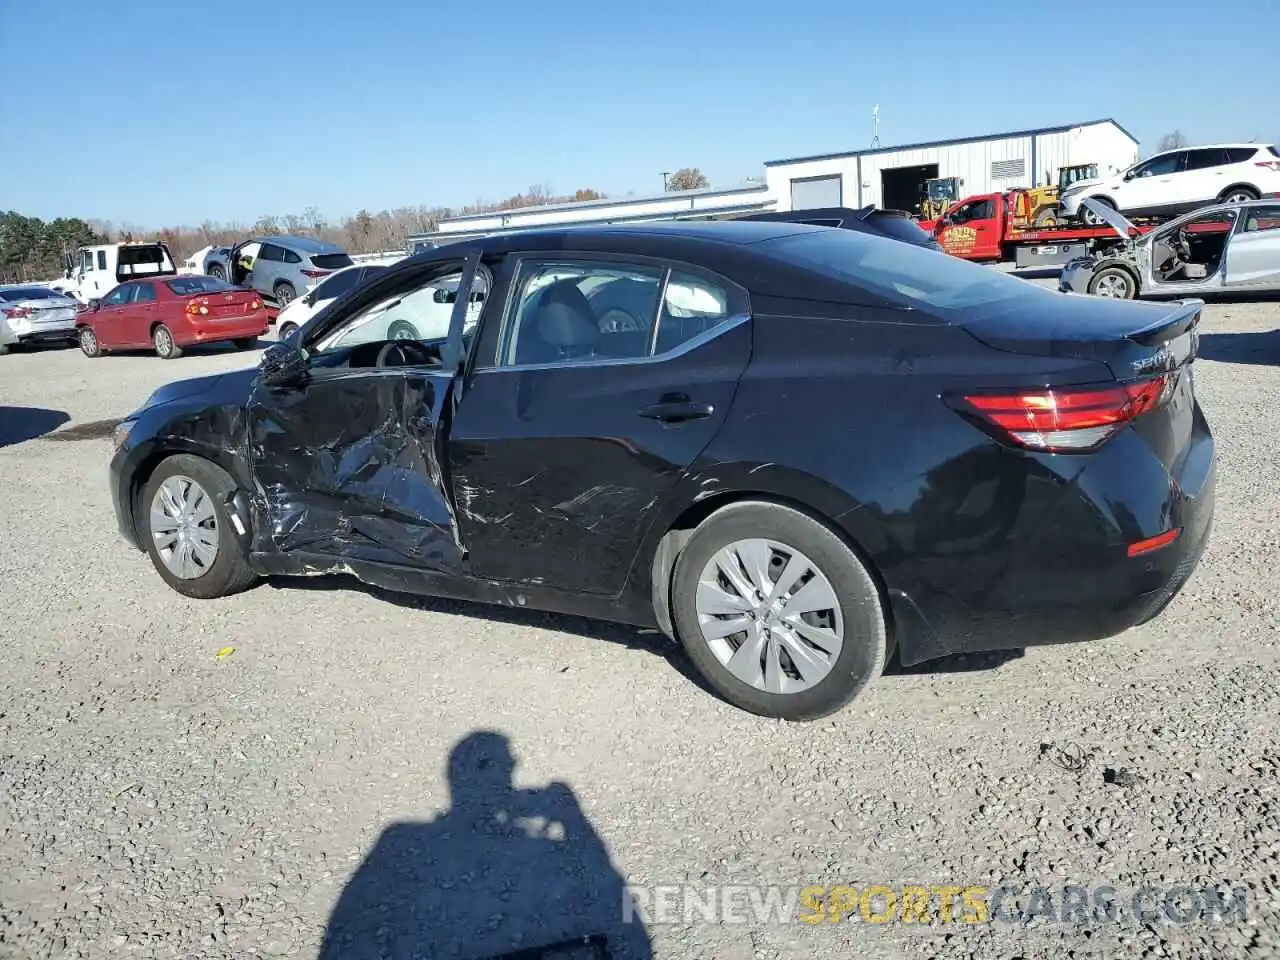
column 349, row 465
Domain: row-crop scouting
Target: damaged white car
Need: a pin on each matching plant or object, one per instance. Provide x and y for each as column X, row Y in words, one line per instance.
column 1226, row 247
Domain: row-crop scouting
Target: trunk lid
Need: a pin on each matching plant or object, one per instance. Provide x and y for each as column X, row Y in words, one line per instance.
column 1134, row 340
column 233, row 303
column 1138, row 343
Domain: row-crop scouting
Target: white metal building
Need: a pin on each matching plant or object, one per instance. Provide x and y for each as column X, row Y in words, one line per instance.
column 676, row 205
column 891, row 177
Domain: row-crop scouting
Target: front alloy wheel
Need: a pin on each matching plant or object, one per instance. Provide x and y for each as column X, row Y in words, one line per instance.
column 184, row 527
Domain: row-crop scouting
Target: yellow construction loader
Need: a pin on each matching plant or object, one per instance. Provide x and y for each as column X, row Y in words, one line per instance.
column 937, row 194
column 1042, row 202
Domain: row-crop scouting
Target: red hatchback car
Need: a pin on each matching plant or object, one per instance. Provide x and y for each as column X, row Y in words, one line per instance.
column 169, row 313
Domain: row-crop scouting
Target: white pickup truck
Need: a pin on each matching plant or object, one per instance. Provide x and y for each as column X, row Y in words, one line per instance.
column 94, row 271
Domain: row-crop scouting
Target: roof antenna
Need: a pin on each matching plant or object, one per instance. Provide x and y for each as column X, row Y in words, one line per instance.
column 875, row 126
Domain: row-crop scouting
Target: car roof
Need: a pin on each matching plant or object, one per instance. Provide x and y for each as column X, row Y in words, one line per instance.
column 307, row 244
column 727, row 232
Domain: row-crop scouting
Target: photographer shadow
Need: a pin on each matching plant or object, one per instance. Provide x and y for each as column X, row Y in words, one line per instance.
column 504, row 873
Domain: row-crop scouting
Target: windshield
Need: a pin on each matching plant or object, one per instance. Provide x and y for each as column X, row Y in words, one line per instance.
column 912, row 276
column 1069, row 175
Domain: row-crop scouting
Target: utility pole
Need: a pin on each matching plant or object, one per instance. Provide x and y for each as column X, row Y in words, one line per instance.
column 665, row 174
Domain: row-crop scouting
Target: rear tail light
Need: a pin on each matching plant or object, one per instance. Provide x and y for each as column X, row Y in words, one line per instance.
column 197, row 307
column 315, row 273
column 17, row 313
column 255, row 305
column 1269, row 164
column 1068, row 420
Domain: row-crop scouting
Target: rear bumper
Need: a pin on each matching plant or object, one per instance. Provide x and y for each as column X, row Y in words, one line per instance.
column 22, row 331
column 255, row 325
column 1072, row 580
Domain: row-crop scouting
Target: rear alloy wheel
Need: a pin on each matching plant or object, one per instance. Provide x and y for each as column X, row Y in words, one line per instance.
column 166, row 348
column 1239, row 195
column 1113, row 282
column 89, row 343
column 285, row 294
column 187, row 529
column 779, row 615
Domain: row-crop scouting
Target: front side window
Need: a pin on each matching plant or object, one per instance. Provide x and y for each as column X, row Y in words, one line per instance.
column 271, row 252
column 1161, row 166
column 86, row 261
column 422, row 313
column 119, row 296
column 594, row 311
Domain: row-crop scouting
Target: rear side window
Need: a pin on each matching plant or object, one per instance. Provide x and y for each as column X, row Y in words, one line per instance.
column 1203, row 159
column 1260, row 219
column 331, row 261
column 1241, row 154
column 905, row 274
column 144, row 293
column 291, row 257
column 102, row 259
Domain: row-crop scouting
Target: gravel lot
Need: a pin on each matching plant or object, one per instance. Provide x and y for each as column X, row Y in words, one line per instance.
column 157, row 801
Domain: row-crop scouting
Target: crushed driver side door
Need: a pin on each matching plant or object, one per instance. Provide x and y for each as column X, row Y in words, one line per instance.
column 347, row 463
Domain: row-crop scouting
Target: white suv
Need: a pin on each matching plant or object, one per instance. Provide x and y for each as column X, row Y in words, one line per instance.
column 1178, row 181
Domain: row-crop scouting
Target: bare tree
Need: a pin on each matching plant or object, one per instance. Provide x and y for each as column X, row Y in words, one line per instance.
column 687, row 178
column 1172, row 141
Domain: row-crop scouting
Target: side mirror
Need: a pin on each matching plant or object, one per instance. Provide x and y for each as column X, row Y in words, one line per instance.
column 283, row 365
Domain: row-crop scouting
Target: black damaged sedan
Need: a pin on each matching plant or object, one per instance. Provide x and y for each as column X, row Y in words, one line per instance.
column 796, row 449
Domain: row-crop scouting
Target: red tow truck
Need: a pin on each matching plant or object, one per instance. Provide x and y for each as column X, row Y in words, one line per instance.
column 994, row 226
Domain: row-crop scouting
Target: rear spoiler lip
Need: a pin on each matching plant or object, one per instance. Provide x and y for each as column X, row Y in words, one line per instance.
column 1184, row 318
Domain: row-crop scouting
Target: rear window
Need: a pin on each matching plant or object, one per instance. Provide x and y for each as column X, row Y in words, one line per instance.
column 331, row 261
column 905, row 229
column 903, row 273
column 138, row 261
column 190, row 286
column 30, row 293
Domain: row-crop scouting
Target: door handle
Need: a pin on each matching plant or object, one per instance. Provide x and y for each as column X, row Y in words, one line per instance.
column 677, row 411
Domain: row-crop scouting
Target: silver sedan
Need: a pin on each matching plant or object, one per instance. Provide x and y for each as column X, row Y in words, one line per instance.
column 1222, row 248
column 34, row 314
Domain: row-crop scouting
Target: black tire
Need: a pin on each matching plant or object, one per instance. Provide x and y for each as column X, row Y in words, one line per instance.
column 1047, row 217
column 402, row 330
column 287, row 330
column 89, row 343
column 1114, row 278
column 4, row 348
column 245, row 343
column 166, row 347
column 865, row 645
column 1238, row 195
column 285, row 294
column 217, row 271
column 230, row 572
